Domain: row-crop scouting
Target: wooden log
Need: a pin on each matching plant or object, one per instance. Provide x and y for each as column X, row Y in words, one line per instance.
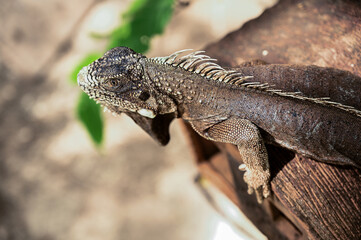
column 310, row 199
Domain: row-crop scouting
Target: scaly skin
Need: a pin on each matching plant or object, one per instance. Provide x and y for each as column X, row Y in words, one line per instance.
column 225, row 106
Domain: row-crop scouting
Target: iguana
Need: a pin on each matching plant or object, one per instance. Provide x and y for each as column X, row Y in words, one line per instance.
column 224, row 105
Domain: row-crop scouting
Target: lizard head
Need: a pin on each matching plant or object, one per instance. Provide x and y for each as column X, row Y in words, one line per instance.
column 118, row 82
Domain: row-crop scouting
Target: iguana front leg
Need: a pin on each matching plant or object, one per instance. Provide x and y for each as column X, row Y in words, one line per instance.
column 247, row 137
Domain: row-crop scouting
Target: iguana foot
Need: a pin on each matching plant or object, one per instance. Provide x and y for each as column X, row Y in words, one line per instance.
column 257, row 181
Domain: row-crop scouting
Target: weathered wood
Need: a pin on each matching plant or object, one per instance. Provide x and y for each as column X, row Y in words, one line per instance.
column 311, row 199
column 217, row 169
column 320, row 32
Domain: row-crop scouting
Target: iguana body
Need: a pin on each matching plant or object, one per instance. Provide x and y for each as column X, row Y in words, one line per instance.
column 225, row 106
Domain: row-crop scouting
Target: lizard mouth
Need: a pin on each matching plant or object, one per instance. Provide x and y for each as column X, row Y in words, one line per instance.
column 89, row 86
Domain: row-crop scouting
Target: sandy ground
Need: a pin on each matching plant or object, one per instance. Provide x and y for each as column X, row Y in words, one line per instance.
column 53, row 183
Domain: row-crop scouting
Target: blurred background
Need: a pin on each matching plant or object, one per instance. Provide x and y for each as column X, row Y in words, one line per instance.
column 57, row 181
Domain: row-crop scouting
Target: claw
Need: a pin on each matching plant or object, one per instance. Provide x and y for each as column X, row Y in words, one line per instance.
column 259, row 195
column 266, row 191
column 257, row 181
column 250, row 190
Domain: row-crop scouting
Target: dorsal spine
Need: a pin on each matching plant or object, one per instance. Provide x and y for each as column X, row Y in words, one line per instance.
column 205, row 66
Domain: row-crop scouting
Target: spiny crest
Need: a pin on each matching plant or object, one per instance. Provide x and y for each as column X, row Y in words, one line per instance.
column 206, row 67
column 323, row 100
column 203, row 65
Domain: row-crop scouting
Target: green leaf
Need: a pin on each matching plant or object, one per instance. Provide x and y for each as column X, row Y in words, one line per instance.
column 91, row 57
column 89, row 114
column 142, row 21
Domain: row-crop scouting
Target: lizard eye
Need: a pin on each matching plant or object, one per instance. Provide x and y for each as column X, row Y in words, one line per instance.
column 112, row 83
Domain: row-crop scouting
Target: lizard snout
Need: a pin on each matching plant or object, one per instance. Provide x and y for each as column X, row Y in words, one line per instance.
column 82, row 77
